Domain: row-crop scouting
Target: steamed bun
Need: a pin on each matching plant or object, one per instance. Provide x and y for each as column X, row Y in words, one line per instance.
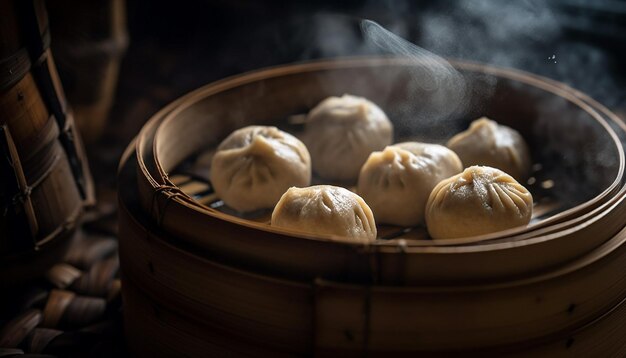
column 325, row 209
column 341, row 132
column 255, row 165
column 397, row 181
column 489, row 143
column 480, row 200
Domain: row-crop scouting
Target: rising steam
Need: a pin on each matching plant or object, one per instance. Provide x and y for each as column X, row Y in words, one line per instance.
column 430, row 75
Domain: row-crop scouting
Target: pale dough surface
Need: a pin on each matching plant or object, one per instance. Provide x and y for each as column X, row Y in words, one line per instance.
column 397, row 181
column 480, row 200
column 341, row 132
column 255, row 165
column 488, row 143
column 327, row 210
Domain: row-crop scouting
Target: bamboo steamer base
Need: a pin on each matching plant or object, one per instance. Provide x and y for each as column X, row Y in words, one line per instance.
column 153, row 331
column 182, row 303
column 145, row 323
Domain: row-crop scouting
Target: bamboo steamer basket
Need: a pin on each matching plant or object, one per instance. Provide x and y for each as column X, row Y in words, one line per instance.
column 550, row 240
column 45, row 181
column 224, row 284
column 179, row 301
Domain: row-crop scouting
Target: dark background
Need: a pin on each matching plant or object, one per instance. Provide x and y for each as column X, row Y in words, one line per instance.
column 177, row 46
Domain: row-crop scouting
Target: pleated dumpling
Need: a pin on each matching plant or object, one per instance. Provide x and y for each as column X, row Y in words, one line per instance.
column 255, row 165
column 448, row 161
column 488, row 143
column 326, row 210
column 480, row 200
column 397, row 181
column 340, row 134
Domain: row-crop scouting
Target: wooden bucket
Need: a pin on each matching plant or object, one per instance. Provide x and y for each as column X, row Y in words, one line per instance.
column 91, row 38
column 225, row 283
column 44, row 180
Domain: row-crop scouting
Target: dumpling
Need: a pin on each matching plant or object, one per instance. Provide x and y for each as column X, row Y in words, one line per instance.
column 396, row 182
column 255, row 165
column 340, row 134
column 488, row 143
column 326, row 210
column 478, row 201
column 447, row 158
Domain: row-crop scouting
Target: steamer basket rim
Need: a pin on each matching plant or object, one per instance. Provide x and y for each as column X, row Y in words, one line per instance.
column 170, row 112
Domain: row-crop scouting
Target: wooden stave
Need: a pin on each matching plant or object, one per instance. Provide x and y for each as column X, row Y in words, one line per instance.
column 56, row 208
column 355, row 261
column 155, row 338
column 169, row 336
column 29, row 71
column 168, row 294
column 25, row 47
column 43, row 162
column 25, row 113
column 54, row 195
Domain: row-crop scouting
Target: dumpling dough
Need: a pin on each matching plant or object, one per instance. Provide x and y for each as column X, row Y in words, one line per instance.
column 326, row 210
column 396, row 182
column 255, row 165
column 480, row 200
column 488, row 143
column 341, row 132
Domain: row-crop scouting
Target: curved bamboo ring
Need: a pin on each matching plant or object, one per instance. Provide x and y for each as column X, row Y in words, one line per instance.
column 554, row 240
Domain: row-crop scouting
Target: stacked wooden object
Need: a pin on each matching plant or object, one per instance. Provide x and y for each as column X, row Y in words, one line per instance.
column 199, row 279
column 44, row 178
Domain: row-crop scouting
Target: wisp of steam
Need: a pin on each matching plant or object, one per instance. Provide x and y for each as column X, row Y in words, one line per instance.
column 430, row 76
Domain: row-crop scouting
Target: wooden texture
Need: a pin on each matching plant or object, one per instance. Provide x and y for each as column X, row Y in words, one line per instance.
column 198, row 279
column 44, row 180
